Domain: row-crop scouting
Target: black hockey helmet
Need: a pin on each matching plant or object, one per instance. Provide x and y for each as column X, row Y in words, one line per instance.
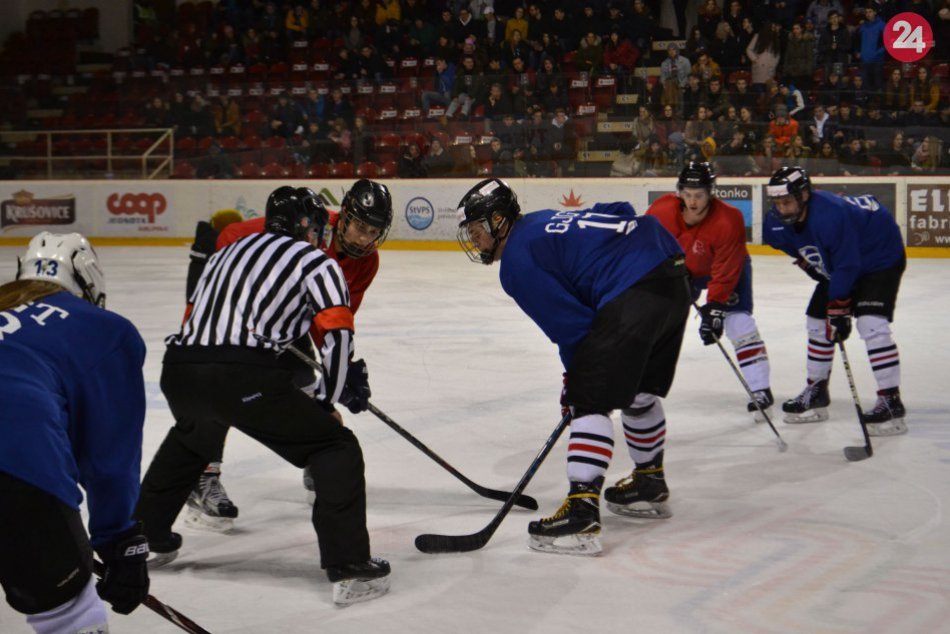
column 789, row 181
column 297, row 212
column 696, row 174
column 493, row 203
column 369, row 203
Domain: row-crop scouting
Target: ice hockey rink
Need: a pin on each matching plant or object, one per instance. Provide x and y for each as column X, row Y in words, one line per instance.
column 760, row 541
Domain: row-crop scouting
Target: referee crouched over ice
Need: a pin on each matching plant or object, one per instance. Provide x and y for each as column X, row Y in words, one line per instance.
column 223, row 369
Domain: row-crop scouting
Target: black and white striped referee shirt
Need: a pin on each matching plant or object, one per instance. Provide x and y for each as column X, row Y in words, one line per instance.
column 263, row 292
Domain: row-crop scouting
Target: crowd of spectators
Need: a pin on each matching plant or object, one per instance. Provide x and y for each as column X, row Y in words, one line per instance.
column 505, row 87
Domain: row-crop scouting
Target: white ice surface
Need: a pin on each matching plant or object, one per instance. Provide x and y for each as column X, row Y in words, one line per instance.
column 760, row 541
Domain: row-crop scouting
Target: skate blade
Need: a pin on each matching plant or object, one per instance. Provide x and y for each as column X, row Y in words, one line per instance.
column 350, row 591
column 893, row 427
column 578, row 544
column 643, row 510
column 757, row 416
column 195, row 518
column 815, row 415
column 157, row 560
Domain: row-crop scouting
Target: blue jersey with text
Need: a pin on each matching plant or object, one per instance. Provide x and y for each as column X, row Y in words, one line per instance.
column 561, row 267
column 843, row 238
column 72, row 406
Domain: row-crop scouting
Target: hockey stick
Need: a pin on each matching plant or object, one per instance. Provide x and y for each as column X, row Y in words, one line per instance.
column 855, row 453
column 525, row 501
column 782, row 446
column 162, row 609
column 432, row 544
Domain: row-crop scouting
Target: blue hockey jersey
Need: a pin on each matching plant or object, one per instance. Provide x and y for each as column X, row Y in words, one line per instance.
column 72, row 406
column 842, row 237
column 561, row 267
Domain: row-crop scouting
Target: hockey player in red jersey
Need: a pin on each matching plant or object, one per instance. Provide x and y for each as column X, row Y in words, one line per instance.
column 712, row 235
column 353, row 237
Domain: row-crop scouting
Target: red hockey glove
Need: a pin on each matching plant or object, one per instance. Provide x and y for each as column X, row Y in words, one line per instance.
column 838, row 320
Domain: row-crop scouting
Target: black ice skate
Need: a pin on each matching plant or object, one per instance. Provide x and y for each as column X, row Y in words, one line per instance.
column 810, row 406
column 209, row 506
column 765, row 402
column 641, row 494
column 887, row 417
column 353, row 583
column 163, row 551
column 575, row 528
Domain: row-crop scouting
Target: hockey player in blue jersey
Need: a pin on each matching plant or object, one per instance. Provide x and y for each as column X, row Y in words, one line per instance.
column 610, row 289
column 852, row 247
column 72, row 406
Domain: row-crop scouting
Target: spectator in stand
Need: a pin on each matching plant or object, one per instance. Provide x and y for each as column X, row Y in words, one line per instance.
column 320, row 18
column 895, row 160
column 466, row 163
column 362, row 140
column 641, row 26
column 896, row 95
column 410, row 163
column 819, row 11
column 763, row 51
column 754, row 129
column 157, row 114
column 820, row 127
column 825, row 162
column 871, row 48
column 792, row 99
column 798, row 61
column 496, row 104
column 856, row 95
column 925, row 89
column 297, row 22
column 620, row 56
column 917, row 121
column 347, row 67
column 679, row 10
column 502, row 159
column 199, row 122
column 318, row 148
column 465, row 88
column 251, row 42
column 735, row 14
column 644, row 127
column 716, row 101
column 745, row 34
column 554, row 98
column 365, row 11
column 561, row 143
column 370, row 64
column 927, row 158
column 313, row 105
column 735, row 157
column 724, row 48
column 590, row 56
column 741, row 96
column 354, row 38
column 270, row 19
column 675, row 69
column 770, row 98
column 698, row 129
column 273, row 49
column 536, row 131
column 388, row 11
column 694, row 43
column 516, row 23
column 511, row 133
column 854, row 159
column 548, row 74
column 670, row 127
column 797, row 153
column 831, row 91
column 338, row 106
column 782, row 128
column 708, row 17
column 216, row 164
column 342, row 137
column 438, row 162
column 589, row 21
column 767, row 158
column 284, row 119
column 627, row 163
column 227, row 117
column 847, row 127
column 655, row 161
column 422, row 38
column 692, row 97
column 514, row 47
column 444, row 82
column 492, row 28
column 706, row 68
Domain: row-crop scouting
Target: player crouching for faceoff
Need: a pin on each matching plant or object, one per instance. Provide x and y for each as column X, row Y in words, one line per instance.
column 222, row 369
column 852, row 247
column 712, row 235
column 610, row 289
column 72, row 407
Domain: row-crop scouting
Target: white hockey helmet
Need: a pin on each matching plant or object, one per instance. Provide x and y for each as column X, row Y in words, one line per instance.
column 66, row 259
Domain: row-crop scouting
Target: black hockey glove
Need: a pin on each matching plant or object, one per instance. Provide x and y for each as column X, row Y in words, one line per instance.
column 565, row 406
column 838, row 321
column 125, row 582
column 810, row 271
column 714, row 316
column 356, row 392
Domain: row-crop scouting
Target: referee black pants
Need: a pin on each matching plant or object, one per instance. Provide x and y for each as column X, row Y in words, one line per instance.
column 262, row 402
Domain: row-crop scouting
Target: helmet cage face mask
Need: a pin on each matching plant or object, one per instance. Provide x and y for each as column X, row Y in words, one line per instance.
column 65, row 259
column 367, row 206
column 789, row 182
column 468, row 243
column 493, row 207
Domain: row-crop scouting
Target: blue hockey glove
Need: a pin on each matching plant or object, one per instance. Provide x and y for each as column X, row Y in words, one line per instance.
column 125, row 582
column 838, row 320
column 356, row 392
column 713, row 317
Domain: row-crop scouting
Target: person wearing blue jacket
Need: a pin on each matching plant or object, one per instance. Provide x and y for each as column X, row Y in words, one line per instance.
column 852, row 247
column 871, row 50
column 610, row 289
column 444, row 83
column 72, row 407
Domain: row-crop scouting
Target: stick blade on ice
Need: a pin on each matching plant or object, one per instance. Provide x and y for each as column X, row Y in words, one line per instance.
column 854, row 454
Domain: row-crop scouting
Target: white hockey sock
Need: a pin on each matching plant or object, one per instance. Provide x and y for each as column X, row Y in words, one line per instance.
column 821, row 352
column 750, row 349
column 644, row 428
column 85, row 614
column 882, row 351
column 591, row 447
